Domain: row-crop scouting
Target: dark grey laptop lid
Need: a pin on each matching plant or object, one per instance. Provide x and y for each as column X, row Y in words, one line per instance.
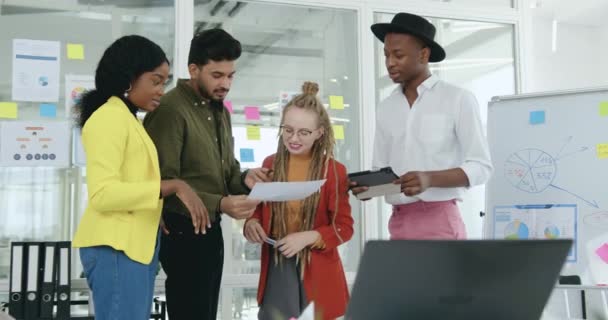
column 475, row 279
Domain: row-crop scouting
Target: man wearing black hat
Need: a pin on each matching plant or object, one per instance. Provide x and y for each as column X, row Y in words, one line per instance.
column 429, row 132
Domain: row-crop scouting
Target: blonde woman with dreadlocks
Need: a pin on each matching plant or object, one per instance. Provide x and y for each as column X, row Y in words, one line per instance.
column 304, row 265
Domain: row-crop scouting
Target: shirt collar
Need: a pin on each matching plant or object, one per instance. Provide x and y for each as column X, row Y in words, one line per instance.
column 194, row 98
column 427, row 84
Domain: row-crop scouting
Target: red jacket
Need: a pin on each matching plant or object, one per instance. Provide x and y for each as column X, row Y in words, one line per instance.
column 324, row 279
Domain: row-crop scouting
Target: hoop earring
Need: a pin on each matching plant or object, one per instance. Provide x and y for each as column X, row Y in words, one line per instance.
column 126, row 94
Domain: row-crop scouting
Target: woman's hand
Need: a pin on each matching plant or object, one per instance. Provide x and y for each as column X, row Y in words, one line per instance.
column 254, row 231
column 293, row 243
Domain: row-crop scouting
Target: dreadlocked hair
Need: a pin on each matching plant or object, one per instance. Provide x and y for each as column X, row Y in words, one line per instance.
column 322, row 152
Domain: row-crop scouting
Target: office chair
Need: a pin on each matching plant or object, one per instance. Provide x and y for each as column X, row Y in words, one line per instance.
column 160, row 309
column 575, row 280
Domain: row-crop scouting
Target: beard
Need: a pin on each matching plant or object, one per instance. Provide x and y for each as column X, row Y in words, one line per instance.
column 209, row 95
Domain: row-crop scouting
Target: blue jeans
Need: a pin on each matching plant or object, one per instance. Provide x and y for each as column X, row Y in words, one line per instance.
column 122, row 288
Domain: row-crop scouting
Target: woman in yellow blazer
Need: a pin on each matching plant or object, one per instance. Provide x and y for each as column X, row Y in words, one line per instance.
column 118, row 234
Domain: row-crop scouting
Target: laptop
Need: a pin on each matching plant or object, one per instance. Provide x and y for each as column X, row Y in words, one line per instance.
column 473, row 279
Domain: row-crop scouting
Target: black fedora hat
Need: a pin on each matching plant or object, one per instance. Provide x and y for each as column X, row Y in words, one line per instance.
column 415, row 25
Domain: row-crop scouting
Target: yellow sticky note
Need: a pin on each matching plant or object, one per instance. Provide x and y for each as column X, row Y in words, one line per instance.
column 338, row 132
column 604, row 109
column 253, row 133
column 602, row 150
column 8, row 110
column 336, row 102
column 75, row 51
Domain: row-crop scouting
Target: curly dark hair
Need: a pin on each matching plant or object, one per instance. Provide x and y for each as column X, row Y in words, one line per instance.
column 122, row 63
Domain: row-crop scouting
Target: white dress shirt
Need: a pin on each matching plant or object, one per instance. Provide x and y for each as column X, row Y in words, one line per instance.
column 441, row 130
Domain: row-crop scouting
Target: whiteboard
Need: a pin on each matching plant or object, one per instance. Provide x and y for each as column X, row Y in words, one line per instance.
column 550, row 154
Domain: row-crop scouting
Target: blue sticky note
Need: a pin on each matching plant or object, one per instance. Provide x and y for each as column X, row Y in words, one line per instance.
column 48, row 110
column 537, row 117
column 247, row 155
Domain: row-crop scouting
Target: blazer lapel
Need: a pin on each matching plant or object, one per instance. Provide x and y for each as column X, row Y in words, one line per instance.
column 139, row 128
column 148, row 143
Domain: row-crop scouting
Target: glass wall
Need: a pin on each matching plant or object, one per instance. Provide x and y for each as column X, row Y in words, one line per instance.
column 284, row 46
column 478, row 3
column 480, row 58
column 44, row 203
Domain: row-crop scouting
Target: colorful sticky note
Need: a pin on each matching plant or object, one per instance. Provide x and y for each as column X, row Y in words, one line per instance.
column 602, row 150
column 8, row 110
column 338, row 131
column 336, row 102
column 247, row 155
column 252, row 113
column 253, row 133
column 602, row 252
column 228, row 105
column 48, row 110
column 604, row 109
column 537, row 117
column 75, row 51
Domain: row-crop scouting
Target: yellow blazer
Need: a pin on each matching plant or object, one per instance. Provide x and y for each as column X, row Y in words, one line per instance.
column 123, row 180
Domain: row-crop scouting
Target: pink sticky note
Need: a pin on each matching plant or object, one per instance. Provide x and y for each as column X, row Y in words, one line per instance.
column 228, row 105
column 252, row 113
column 602, row 252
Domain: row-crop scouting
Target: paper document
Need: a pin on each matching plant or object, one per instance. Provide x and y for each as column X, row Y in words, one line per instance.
column 308, row 313
column 36, row 70
column 380, row 190
column 284, row 191
column 537, row 221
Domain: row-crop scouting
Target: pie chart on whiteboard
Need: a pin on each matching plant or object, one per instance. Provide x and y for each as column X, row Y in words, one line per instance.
column 516, row 230
column 530, row 170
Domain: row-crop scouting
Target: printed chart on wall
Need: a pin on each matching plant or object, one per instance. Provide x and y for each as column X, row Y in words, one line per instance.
column 536, row 222
column 550, row 155
column 35, row 70
column 79, row 158
column 28, row 143
column 75, row 87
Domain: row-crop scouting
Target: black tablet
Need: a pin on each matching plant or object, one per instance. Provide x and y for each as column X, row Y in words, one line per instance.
column 372, row 178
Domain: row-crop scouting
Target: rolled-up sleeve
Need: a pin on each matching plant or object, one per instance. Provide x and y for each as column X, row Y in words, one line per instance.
column 477, row 164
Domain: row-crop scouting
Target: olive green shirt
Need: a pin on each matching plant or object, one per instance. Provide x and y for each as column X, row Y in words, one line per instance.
column 193, row 136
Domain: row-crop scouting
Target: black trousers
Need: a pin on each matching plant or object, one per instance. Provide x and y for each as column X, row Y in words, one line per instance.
column 193, row 264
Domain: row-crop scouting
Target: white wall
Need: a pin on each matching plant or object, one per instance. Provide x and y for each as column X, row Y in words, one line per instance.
column 579, row 61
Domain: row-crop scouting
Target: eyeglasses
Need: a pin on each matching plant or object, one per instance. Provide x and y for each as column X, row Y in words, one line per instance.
column 288, row 132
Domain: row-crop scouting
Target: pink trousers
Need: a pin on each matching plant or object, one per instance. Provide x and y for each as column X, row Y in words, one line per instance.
column 427, row 221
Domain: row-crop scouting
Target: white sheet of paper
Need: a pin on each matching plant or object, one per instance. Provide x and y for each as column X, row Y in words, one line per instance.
column 308, row 313
column 35, row 143
column 75, row 86
column 36, row 70
column 380, row 190
column 284, row 191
